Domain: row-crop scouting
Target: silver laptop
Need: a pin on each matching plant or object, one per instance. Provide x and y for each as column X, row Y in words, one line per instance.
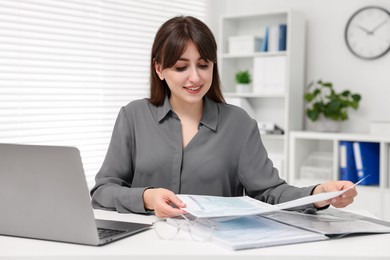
column 44, row 195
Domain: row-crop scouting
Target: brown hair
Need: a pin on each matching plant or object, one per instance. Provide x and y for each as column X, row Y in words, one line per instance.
column 170, row 43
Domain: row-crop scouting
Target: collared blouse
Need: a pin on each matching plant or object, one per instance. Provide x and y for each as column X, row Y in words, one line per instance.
column 225, row 158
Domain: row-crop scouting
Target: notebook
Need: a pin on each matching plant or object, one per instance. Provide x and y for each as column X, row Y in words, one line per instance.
column 44, row 195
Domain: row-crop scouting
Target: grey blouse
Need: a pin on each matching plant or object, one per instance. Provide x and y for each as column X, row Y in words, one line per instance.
column 224, row 158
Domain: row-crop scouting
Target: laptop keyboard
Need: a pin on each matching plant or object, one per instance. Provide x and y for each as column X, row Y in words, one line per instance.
column 105, row 232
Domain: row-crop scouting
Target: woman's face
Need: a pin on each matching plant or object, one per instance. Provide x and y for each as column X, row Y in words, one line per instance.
column 190, row 78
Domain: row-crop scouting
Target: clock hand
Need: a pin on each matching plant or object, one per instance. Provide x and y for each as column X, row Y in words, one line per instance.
column 363, row 29
column 378, row 26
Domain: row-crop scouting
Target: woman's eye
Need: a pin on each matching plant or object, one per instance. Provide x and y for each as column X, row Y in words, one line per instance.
column 181, row 68
column 203, row 66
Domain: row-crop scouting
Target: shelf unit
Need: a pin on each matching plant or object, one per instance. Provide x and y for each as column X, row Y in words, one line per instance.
column 286, row 108
column 371, row 198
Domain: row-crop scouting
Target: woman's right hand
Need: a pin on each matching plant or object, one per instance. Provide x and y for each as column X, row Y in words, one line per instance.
column 161, row 200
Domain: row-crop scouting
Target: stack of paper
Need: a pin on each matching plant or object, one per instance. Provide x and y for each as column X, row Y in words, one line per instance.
column 243, row 222
column 256, row 231
column 202, row 206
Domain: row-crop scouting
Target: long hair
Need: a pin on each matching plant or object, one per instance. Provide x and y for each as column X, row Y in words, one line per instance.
column 170, row 43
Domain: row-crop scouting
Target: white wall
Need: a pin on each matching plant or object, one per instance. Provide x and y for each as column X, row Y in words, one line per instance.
column 327, row 56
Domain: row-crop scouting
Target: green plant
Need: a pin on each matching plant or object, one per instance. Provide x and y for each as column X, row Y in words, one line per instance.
column 323, row 99
column 243, row 77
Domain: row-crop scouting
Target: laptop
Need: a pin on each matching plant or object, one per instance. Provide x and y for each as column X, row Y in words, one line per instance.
column 44, row 195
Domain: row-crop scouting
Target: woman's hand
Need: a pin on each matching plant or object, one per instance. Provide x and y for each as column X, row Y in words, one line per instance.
column 339, row 202
column 164, row 203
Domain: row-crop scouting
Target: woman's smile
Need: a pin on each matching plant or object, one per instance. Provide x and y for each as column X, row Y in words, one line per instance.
column 193, row 89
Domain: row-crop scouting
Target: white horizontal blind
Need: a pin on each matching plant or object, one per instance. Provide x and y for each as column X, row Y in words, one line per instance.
column 67, row 66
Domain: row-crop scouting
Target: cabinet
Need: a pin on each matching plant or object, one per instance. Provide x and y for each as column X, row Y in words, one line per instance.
column 371, row 198
column 285, row 107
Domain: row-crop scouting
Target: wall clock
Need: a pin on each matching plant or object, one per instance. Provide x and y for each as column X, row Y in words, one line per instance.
column 367, row 33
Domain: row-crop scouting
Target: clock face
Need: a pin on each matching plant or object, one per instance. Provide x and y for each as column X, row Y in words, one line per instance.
column 367, row 33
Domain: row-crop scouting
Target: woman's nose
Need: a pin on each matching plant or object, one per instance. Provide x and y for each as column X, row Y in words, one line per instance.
column 194, row 76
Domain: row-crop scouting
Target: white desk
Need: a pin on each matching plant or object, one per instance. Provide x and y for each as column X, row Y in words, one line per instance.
column 147, row 245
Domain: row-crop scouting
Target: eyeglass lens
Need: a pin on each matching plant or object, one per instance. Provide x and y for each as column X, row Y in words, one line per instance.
column 165, row 230
column 200, row 231
column 168, row 229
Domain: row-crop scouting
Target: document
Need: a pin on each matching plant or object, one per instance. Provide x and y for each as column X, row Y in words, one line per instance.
column 256, row 231
column 331, row 222
column 289, row 227
column 243, row 222
column 202, row 206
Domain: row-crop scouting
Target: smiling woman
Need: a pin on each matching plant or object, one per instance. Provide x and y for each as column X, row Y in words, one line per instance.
column 183, row 57
column 66, row 67
column 204, row 145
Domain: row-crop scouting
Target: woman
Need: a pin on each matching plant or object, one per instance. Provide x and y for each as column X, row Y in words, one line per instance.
column 186, row 139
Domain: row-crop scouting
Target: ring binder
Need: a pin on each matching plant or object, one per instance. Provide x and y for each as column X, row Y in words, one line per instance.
column 367, row 162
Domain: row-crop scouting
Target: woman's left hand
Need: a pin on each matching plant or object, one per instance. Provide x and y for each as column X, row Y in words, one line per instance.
column 339, row 202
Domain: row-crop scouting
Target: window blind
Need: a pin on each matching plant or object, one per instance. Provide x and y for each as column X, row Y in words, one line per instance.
column 67, row 66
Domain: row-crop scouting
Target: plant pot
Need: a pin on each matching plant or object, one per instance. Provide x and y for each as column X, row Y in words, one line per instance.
column 324, row 124
column 243, row 88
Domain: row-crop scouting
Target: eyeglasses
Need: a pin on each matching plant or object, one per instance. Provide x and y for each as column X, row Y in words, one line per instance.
column 200, row 230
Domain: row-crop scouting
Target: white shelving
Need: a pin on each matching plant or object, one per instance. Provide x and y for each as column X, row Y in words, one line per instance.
column 371, row 198
column 283, row 108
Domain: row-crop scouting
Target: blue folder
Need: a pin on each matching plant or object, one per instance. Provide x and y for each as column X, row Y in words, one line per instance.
column 264, row 45
column 347, row 162
column 282, row 37
column 367, row 162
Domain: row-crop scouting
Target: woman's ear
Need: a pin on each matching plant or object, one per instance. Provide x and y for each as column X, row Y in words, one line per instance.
column 157, row 68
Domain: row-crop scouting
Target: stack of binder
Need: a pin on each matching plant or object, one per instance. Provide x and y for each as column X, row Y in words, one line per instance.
column 275, row 38
column 359, row 160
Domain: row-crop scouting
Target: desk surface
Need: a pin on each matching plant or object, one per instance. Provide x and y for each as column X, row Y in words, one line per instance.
column 147, row 245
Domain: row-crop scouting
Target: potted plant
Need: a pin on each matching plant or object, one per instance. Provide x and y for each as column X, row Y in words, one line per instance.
column 328, row 107
column 243, row 80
